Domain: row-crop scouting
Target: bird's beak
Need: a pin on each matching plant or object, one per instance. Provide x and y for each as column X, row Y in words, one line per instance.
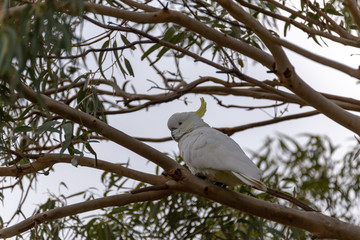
column 173, row 134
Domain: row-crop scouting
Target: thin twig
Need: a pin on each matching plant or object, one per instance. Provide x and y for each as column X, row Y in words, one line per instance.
column 130, row 45
column 290, row 198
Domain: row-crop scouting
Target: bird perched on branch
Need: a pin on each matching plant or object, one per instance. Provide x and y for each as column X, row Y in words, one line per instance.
column 211, row 154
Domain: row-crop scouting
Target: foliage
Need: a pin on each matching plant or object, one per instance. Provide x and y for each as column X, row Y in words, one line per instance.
column 90, row 57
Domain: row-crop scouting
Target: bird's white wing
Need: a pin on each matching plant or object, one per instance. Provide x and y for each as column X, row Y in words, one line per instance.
column 207, row 148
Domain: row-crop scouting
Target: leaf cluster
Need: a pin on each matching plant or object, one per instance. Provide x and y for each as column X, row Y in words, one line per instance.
column 38, row 30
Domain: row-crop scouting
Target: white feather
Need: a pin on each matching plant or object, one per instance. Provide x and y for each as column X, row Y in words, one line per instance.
column 210, row 152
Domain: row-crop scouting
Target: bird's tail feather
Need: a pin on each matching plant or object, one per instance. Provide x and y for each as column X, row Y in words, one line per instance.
column 251, row 182
column 255, row 183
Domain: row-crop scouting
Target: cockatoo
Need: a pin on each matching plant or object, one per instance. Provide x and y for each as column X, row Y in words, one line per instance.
column 211, row 154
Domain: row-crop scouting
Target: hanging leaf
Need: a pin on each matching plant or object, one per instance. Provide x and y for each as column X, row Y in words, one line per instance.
column 88, row 147
column 128, row 67
column 101, row 57
column 47, row 126
column 150, row 50
column 127, row 42
column 83, row 76
column 68, row 130
column 161, row 53
column 117, row 58
column 329, row 8
column 169, row 33
column 23, row 129
column 95, row 100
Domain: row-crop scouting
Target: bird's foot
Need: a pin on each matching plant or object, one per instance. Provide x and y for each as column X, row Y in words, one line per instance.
column 222, row 185
column 200, row 175
column 203, row 177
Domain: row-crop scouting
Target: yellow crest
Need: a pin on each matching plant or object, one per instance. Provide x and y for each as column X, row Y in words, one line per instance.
column 202, row 109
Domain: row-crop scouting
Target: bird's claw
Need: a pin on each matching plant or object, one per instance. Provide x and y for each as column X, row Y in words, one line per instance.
column 200, row 175
column 222, row 185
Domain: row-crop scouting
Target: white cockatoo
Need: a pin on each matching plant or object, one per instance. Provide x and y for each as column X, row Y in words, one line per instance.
column 210, row 153
column 213, row 155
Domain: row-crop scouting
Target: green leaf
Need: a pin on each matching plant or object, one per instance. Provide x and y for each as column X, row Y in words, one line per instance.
column 161, row 53
column 128, row 67
column 178, row 37
column 150, row 50
column 101, row 57
column 81, row 95
column 126, row 41
column 95, row 99
column 169, row 33
column 218, row 25
column 85, row 76
column 117, row 58
column 240, row 62
column 123, row 70
column 329, row 8
column 88, row 147
column 23, row 129
column 288, row 25
column 47, row 126
column 313, row 16
column 68, row 130
column 356, row 155
column 315, row 40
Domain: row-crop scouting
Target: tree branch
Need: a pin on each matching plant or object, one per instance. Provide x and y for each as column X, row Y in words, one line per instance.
column 319, row 225
column 231, row 130
column 48, row 160
column 90, row 205
column 338, row 29
column 196, row 57
column 348, row 39
column 83, row 54
column 100, row 127
column 287, row 75
column 163, row 16
column 354, row 10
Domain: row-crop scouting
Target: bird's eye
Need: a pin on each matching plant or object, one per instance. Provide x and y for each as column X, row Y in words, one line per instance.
column 180, row 123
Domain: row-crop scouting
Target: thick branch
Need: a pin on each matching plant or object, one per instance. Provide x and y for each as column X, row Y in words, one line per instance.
column 354, row 10
column 287, row 74
column 321, row 226
column 163, row 16
column 319, row 59
column 90, row 205
column 48, row 160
